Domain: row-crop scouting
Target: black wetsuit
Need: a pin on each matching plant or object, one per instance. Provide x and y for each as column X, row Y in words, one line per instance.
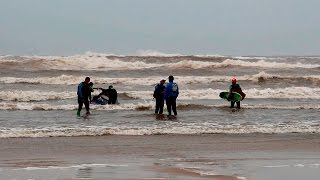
column 158, row 94
column 112, row 95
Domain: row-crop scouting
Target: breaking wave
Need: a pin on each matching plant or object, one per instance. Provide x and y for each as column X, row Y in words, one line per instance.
column 98, row 62
column 188, row 129
column 143, row 106
column 73, row 80
column 290, row 93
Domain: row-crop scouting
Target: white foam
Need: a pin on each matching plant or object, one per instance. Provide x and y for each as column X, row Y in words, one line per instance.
column 241, row 178
column 253, row 57
column 292, row 107
column 166, row 128
column 292, row 92
column 47, row 107
column 185, row 94
column 18, row 95
column 62, row 79
column 231, row 62
column 72, row 166
column 293, row 165
column 276, row 166
column 81, row 62
column 268, row 64
column 154, row 53
column 97, row 62
column 152, row 80
column 135, row 106
column 314, row 165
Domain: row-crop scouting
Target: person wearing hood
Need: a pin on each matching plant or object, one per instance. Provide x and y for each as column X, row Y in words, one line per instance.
column 111, row 93
column 235, row 88
column 158, row 94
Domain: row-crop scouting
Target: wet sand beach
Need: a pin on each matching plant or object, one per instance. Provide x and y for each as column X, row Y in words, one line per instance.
column 212, row 156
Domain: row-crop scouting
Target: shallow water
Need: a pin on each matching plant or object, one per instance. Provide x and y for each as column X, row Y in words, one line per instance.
column 38, row 95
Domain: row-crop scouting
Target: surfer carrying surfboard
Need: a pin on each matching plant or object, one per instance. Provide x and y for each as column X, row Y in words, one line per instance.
column 235, row 88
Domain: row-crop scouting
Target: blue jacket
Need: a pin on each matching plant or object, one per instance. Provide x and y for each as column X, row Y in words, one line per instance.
column 79, row 91
column 84, row 90
column 172, row 90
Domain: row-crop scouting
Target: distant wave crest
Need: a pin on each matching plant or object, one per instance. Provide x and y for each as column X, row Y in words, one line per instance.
column 290, row 92
column 99, row 62
column 152, row 80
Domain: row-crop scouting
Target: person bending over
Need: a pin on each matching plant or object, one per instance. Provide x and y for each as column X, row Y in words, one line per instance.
column 111, row 93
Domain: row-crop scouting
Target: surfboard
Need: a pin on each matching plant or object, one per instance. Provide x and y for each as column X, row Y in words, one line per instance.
column 234, row 97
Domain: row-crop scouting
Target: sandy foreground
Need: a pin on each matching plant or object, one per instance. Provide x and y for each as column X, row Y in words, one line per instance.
column 215, row 156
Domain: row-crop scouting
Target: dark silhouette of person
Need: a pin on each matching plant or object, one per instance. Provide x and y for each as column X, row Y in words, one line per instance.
column 234, row 87
column 159, row 95
column 111, row 93
column 84, row 93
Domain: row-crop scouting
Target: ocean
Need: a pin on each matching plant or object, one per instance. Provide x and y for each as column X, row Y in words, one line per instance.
column 38, row 96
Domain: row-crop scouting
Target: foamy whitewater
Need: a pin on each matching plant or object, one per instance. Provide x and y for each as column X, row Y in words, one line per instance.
column 38, row 94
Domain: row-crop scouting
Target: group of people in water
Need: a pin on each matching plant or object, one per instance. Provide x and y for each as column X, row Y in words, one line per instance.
column 163, row 92
column 168, row 93
column 85, row 88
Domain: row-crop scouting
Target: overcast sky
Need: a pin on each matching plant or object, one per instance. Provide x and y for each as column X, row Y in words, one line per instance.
column 189, row 27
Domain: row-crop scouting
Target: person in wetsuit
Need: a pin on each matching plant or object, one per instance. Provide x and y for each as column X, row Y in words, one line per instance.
column 170, row 95
column 159, row 94
column 111, row 93
column 84, row 93
column 235, row 88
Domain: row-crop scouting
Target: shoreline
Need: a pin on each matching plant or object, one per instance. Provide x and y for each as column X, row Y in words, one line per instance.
column 208, row 156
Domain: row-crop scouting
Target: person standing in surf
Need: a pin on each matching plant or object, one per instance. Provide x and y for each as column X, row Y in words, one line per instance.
column 84, row 93
column 159, row 95
column 170, row 95
column 112, row 95
column 235, row 88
